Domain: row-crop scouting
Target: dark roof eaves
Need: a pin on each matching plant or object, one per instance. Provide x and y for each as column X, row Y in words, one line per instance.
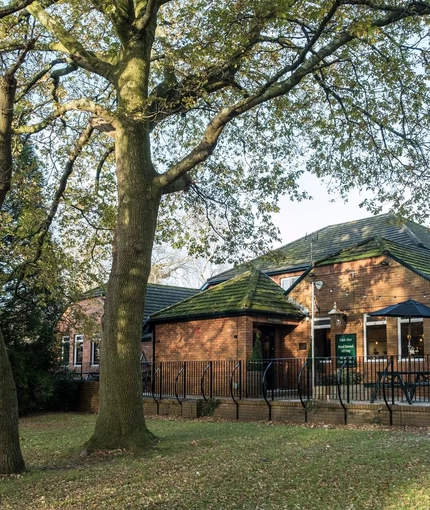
column 287, row 269
column 267, row 272
column 220, row 315
column 299, row 279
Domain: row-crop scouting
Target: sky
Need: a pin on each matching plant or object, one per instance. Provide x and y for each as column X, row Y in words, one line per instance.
column 297, row 219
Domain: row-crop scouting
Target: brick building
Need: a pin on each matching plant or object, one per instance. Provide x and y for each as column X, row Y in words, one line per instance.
column 80, row 328
column 348, row 270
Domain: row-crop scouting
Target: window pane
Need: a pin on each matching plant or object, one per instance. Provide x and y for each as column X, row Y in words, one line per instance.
column 377, row 341
column 287, row 282
column 79, row 349
column 95, row 353
column 416, row 343
column 65, row 350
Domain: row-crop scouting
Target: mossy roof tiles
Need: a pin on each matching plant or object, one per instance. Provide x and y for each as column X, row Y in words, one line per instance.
column 416, row 258
column 333, row 239
column 249, row 293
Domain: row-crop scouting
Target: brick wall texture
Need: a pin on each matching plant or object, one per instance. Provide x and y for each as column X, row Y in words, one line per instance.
column 357, row 287
column 287, row 411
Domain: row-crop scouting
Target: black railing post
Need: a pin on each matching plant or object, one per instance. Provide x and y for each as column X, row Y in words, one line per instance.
column 185, row 379
column 299, row 380
column 210, row 380
column 208, row 368
column 347, row 381
column 161, row 380
column 238, row 366
column 240, row 379
column 338, row 381
column 264, row 388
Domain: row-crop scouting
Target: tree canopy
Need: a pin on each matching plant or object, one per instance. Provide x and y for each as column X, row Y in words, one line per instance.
column 229, row 101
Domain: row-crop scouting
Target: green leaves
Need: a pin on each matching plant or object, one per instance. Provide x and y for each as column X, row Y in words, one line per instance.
column 336, row 89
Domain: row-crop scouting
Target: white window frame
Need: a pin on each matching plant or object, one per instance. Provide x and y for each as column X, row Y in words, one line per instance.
column 79, row 341
column 372, row 322
column 65, row 340
column 288, row 281
column 93, row 349
column 319, row 324
column 400, row 321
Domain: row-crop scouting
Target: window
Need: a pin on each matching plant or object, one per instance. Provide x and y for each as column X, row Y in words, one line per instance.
column 78, row 351
column 375, row 337
column 65, row 350
column 415, row 342
column 286, row 283
column 322, row 338
column 95, row 353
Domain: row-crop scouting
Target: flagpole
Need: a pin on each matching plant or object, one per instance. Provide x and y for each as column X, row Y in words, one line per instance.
column 313, row 337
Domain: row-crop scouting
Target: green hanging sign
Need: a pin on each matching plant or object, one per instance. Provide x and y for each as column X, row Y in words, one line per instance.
column 346, row 348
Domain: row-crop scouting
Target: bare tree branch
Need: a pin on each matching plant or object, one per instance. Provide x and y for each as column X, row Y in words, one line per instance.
column 83, row 139
column 85, row 105
column 213, row 131
column 13, row 7
column 80, row 56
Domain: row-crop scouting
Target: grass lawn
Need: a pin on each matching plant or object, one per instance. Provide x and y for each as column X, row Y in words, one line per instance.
column 209, row 464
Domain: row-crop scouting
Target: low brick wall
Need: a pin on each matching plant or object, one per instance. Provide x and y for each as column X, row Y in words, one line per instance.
column 88, row 397
column 416, row 415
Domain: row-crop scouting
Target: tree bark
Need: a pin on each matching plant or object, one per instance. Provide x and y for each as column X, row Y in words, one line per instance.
column 121, row 422
column 11, row 460
column 7, row 96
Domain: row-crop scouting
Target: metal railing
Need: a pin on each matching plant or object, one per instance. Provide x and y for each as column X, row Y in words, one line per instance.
column 344, row 380
column 83, row 371
column 386, row 380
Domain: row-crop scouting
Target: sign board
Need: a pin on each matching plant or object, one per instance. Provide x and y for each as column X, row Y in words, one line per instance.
column 346, row 348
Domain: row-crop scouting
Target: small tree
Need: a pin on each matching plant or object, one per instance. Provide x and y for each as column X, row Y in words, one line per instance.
column 255, row 361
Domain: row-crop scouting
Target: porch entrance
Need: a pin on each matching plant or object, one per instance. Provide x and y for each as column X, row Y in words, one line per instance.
column 267, row 341
column 266, row 334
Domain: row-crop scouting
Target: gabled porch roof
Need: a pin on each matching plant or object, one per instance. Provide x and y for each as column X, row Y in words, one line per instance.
column 250, row 293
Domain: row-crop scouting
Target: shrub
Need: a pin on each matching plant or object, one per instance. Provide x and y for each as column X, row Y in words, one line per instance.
column 208, row 407
column 34, row 384
column 353, row 377
column 255, row 361
column 65, row 393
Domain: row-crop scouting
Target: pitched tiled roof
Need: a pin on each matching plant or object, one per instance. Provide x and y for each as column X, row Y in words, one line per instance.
column 297, row 255
column 158, row 296
column 416, row 258
column 249, row 293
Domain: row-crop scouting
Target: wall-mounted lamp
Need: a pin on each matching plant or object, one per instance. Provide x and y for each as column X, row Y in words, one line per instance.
column 337, row 318
column 384, row 263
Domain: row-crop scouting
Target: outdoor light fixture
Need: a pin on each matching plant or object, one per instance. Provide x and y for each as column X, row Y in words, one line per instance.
column 337, row 318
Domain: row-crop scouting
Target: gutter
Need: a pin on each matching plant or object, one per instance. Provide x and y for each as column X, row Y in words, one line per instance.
column 220, row 315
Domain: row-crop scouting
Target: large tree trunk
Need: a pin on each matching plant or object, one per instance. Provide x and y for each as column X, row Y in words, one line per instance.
column 7, row 96
column 121, row 423
column 11, row 460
